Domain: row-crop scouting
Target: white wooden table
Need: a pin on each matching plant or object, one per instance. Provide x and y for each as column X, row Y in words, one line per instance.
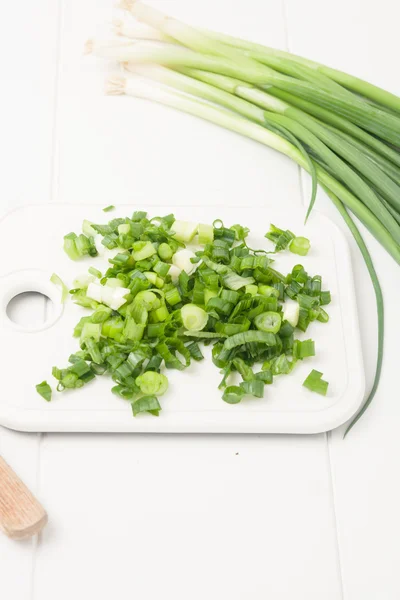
column 218, row 517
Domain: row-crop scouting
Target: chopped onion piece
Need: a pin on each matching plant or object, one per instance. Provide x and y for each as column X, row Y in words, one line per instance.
column 174, row 272
column 182, row 260
column 184, row 230
column 114, row 297
column 194, row 318
column 291, row 313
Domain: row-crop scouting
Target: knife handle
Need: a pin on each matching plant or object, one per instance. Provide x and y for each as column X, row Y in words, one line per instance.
column 21, row 515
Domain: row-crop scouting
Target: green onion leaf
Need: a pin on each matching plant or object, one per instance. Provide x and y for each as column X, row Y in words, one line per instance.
column 246, row 337
column 255, row 387
column 146, row 404
column 233, row 394
column 152, row 383
column 195, row 351
column 269, row 321
column 303, row 349
column 59, row 282
column 315, row 383
column 44, row 390
column 300, row 245
column 194, row 318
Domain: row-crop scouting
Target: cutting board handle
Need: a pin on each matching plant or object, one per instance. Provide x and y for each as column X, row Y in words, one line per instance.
column 21, row 515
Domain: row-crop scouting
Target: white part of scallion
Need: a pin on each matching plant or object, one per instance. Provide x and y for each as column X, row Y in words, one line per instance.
column 137, row 31
column 174, row 273
column 184, row 231
column 99, row 246
column 124, row 228
column 82, row 281
column 114, row 282
column 182, row 260
column 114, row 297
column 194, row 318
column 87, row 229
column 94, row 291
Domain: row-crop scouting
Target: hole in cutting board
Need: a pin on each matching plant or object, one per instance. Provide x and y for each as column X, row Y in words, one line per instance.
column 30, row 309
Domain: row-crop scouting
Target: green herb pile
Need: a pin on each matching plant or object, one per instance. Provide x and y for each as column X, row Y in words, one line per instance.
column 158, row 301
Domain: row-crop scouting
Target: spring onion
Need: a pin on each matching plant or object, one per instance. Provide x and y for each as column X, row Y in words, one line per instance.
column 148, row 404
column 184, row 231
column 44, row 390
column 205, row 233
column 269, row 322
column 183, row 260
column 152, row 383
column 194, row 318
column 59, row 282
column 109, row 208
column 165, row 251
column 315, row 383
column 300, row 245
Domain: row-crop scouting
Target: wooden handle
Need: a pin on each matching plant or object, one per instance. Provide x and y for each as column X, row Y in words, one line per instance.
column 21, row 515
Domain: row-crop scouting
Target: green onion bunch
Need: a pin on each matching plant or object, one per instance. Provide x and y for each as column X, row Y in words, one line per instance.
column 159, row 301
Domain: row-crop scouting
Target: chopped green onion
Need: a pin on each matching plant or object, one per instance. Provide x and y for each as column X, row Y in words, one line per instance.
column 269, row 321
column 124, row 229
column 109, row 208
column 205, row 233
column 95, row 272
column 194, row 318
column 195, row 351
column 206, row 335
column 268, row 291
column 303, row 349
column 44, row 390
column 239, row 339
column 147, row 312
column 236, row 282
column 300, row 245
column 87, row 229
column 280, row 237
column 70, row 246
column 142, row 250
column 183, row 260
column 251, row 289
column 315, row 383
column 255, row 387
column 91, row 330
column 233, row 394
column 59, row 282
column 152, row 383
column 265, row 376
column 184, row 231
column 243, row 368
column 173, row 296
column 146, row 404
column 281, row 365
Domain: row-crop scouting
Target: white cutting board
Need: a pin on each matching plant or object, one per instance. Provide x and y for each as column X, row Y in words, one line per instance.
column 31, row 242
